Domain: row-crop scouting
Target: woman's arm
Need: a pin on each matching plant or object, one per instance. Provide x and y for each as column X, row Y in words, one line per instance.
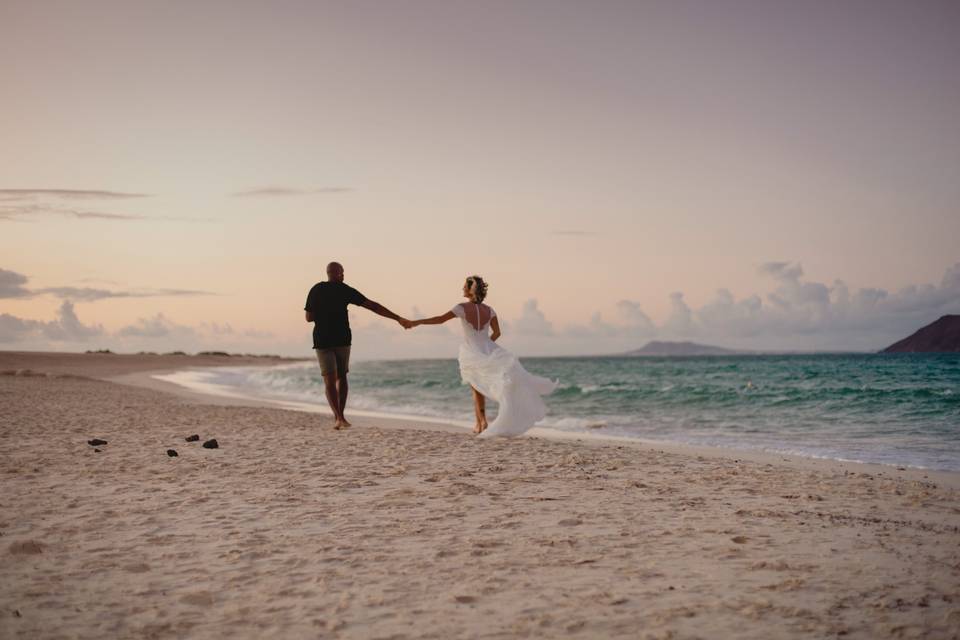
column 435, row 319
column 495, row 325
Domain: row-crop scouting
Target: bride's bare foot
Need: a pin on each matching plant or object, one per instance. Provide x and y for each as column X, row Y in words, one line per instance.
column 477, row 428
column 483, row 426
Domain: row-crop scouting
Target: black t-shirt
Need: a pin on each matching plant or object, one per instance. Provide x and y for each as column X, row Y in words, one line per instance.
column 328, row 301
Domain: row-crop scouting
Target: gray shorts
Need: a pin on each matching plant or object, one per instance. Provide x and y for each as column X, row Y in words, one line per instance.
column 334, row 361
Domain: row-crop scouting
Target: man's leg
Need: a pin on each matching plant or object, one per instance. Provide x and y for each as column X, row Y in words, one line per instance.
column 342, row 389
column 328, row 368
column 333, row 398
column 343, row 366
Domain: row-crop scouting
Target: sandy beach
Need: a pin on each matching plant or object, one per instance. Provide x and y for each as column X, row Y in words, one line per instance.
column 398, row 530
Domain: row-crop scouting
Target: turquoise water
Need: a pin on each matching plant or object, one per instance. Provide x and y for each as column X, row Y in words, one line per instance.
column 901, row 409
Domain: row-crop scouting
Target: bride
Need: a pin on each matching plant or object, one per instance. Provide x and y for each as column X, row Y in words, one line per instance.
column 492, row 371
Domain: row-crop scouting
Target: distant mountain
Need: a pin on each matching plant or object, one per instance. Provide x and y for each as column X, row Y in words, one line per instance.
column 942, row 336
column 658, row 348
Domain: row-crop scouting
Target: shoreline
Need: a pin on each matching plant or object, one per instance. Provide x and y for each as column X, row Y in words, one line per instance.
column 140, row 371
column 147, row 379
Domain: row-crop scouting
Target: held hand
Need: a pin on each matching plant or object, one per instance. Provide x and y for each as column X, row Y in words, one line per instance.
column 406, row 324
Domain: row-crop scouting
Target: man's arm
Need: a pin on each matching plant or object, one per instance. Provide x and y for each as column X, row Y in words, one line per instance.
column 308, row 305
column 381, row 310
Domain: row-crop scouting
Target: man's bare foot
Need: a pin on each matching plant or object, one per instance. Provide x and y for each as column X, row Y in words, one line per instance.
column 344, row 424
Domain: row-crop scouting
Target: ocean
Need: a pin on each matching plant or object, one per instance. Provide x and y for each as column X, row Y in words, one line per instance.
column 895, row 409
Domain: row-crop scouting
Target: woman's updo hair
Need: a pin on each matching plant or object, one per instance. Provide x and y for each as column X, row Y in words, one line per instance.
column 480, row 290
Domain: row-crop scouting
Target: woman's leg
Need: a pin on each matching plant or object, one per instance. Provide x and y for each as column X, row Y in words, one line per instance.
column 480, row 409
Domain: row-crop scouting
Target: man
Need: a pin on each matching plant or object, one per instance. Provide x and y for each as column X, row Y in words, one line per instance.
column 327, row 308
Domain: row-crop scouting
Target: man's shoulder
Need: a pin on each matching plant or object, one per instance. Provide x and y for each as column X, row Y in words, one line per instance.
column 335, row 289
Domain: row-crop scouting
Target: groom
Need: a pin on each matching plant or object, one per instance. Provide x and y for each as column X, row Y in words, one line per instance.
column 327, row 308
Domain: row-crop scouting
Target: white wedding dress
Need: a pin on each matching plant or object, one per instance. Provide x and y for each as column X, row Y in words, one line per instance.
column 497, row 374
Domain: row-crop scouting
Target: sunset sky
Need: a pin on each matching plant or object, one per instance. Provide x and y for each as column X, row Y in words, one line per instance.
column 766, row 175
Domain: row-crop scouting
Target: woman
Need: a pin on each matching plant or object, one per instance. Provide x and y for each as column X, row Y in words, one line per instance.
column 492, row 371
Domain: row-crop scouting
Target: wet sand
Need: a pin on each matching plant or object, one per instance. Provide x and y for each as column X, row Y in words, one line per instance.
column 291, row 529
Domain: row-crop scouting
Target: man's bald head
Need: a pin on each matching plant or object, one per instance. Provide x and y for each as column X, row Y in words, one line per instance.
column 335, row 272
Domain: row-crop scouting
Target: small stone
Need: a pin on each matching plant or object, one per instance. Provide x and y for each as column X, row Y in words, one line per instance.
column 211, row 444
column 17, row 614
column 192, row 438
column 172, row 453
column 98, row 450
column 96, row 442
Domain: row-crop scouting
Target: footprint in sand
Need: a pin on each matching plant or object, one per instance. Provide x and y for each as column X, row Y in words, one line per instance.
column 140, row 567
column 27, row 547
column 200, row 599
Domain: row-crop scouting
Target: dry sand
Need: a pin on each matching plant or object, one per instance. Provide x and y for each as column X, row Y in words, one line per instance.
column 293, row 530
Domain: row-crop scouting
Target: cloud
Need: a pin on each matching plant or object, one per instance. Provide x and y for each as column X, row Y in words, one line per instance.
column 157, row 332
column 269, row 192
column 596, row 328
column 181, row 336
column 88, row 294
column 14, row 329
column 218, row 329
column 68, row 194
column 11, row 285
column 532, row 321
column 159, row 326
column 100, row 280
column 781, row 270
column 35, row 202
column 796, row 314
column 257, row 334
column 680, row 320
column 813, row 315
column 66, row 327
column 21, row 211
column 635, row 318
column 9, row 212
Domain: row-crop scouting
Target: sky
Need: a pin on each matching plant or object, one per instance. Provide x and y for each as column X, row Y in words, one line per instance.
column 751, row 174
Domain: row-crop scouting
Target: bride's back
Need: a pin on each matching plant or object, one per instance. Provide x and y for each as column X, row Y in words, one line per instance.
column 476, row 315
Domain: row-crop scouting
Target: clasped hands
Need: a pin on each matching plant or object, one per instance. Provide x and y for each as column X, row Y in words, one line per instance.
column 407, row 324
